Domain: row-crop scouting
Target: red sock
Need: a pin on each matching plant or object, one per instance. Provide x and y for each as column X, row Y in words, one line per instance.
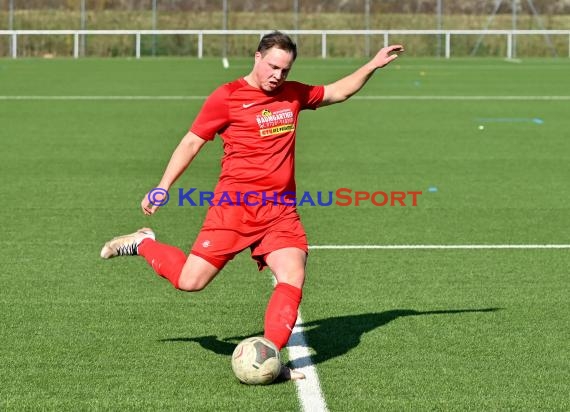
column 281, row 313
column 166, row 260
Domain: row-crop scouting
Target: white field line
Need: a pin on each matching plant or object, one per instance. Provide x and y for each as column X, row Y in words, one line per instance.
column 102, row 98
column 308, row 389
column 440, row 247
column 365, row 98
column 465, row 98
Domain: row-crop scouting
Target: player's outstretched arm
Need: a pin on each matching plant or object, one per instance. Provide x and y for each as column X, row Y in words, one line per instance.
column 342, row 89
column 183, row 155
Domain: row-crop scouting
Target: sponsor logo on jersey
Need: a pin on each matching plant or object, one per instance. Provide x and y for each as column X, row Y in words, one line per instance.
column 271, row 123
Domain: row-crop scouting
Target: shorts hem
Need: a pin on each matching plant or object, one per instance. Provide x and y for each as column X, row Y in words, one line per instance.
column 260, row 258
column 217, row 262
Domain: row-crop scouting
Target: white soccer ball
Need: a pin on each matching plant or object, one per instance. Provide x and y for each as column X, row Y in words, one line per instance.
column 256, row 361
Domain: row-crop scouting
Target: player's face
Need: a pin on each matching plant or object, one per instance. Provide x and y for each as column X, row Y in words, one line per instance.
column 271, row 70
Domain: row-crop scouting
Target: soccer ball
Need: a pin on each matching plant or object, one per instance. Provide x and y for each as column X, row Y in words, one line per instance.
column 256, row 361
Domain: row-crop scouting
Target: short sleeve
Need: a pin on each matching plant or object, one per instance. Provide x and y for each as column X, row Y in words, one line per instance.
column 213, row 116
column 309, row 96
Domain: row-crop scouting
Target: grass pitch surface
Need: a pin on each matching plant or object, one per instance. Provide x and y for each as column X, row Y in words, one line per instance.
column 389, row 329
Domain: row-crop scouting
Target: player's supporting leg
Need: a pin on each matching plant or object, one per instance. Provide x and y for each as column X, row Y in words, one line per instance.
column 288, row 266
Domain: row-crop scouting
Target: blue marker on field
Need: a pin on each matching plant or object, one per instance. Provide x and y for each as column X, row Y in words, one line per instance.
column 432, row 189
column 535, row 120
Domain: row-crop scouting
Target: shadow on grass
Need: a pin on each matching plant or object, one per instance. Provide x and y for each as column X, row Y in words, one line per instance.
column 330, row 337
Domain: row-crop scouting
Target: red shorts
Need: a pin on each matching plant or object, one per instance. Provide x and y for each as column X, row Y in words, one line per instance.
column 229, row 229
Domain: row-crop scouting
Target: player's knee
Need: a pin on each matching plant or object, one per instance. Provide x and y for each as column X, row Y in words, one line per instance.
column 196, row 274
column 293, row 277
column 189, row 284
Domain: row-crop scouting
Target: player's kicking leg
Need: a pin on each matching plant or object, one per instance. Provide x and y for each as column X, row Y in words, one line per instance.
column 188, row 273
column 126, row 245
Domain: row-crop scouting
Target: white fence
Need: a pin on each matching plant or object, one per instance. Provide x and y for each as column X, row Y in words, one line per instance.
column 324, row 34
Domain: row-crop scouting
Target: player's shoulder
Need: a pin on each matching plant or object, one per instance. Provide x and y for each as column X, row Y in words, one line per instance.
column 293, row 84
column 297, row 87
column 224, row 91
column 233, row 86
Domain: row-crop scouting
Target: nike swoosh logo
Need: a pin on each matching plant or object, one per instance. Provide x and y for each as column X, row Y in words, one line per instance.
column 245, row 106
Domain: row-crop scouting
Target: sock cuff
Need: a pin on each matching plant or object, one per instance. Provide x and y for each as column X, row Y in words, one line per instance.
column 290, row 291
column 145, row 242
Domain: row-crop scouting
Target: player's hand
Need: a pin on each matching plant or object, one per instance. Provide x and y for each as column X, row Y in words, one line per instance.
column 153, row 200
column 147, row 208
column 387, row 55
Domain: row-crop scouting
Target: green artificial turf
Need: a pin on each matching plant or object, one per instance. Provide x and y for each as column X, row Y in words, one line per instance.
column 388, row 329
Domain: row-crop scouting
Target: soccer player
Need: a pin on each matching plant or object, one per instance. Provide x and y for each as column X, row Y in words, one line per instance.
column 256, row 116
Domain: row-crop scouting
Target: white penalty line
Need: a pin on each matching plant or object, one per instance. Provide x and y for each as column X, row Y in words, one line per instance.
column 308, row 389
column 365, row 98
column 440, row 247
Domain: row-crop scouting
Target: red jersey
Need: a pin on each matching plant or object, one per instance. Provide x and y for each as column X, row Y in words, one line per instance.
column 258, row 129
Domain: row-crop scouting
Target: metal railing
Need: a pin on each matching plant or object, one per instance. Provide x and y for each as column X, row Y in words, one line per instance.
column 324, row 34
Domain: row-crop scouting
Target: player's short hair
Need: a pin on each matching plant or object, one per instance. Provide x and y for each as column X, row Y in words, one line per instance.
column 278, row 40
